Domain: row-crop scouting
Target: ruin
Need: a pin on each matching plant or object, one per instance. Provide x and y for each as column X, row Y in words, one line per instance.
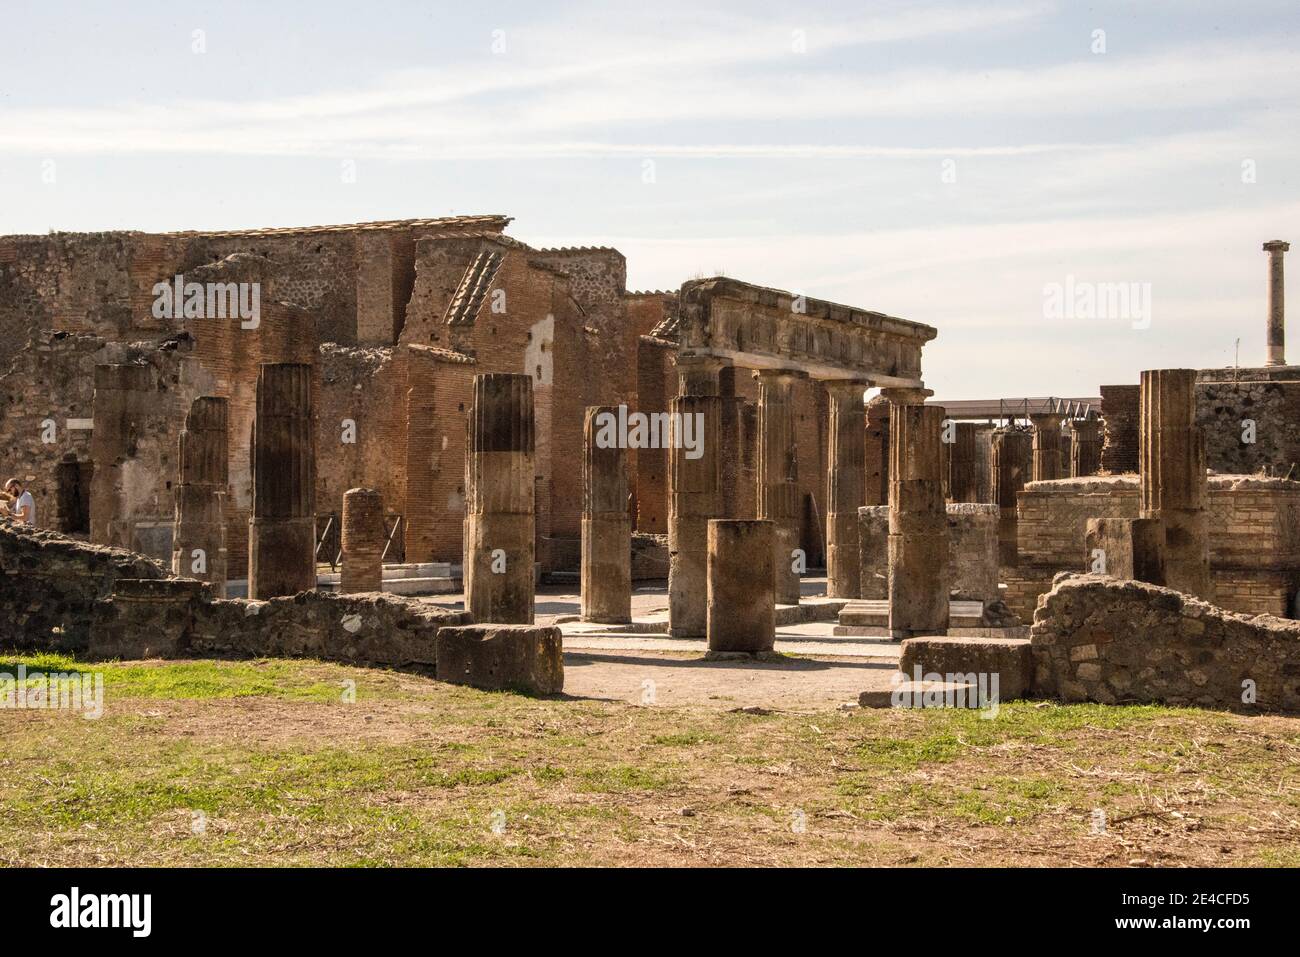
column 429, row 393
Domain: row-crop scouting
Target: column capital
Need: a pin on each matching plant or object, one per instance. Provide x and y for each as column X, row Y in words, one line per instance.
column 904, row 395
column 1276, row 246
column 846, row 386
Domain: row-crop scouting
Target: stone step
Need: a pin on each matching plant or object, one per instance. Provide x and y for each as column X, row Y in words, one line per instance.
column 1011, row 659
column 874, row 613
column 922, row 694
column 410, row 570
column 656, row 623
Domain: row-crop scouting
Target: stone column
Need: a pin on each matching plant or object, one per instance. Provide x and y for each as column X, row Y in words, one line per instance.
column 500, row 520
column 363, row 541
column 877, row 451
column 918, row 523
column 1276, row 302
column 1012, row 455
column 282, row 523
column 963, row 485
column 845, row 485
column 1047, row 446
column 199, row 531
column 741, row 598
column 778, row 474
column 1173, row 476
column 694, row 497
column 1085, row 454
column 124, row 394
column 606, row 526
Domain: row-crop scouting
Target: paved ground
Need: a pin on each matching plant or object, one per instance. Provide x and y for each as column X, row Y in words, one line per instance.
column 648, row 666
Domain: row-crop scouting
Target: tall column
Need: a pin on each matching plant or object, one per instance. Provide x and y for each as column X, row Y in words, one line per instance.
column 694, row 497
column 1173, row 476
column 1047, row 445
column 363, row 541
column 282, row 523
column 199, row 530
column 1276, row 302
column 1085, row 454
column 606, row 526
column 845, row 485
column 500, row 517
column 878, row 451
column 1011, row 464
column 963, row 484
column 742, row 605
column 918, row 523
column 124, row 395
column 778, row 474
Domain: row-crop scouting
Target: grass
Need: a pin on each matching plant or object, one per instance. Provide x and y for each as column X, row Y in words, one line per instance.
column 269, row 762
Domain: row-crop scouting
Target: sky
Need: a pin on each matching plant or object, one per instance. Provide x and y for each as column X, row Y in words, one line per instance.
column 961, row 164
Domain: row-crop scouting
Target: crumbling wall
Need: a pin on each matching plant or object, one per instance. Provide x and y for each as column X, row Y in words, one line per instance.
column 1099, row 639
column 1251, row 421
column 50, row 583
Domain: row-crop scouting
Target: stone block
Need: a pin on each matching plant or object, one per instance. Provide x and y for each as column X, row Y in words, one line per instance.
column 497, row 657
column 1011, row 659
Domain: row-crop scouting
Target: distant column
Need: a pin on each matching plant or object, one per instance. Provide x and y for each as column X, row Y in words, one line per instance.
column 124, row 395
column 1047, row 446
column 606, row 526
column 282, row 523
column 963, row 479
column 1085, row 454
column 363, row 541
column 199, row 532
column 1011, row 461
column 1173, row 481
column 500, row 518
column 918, row 523
column 778, row 474
column 845, row 485
column 742, row 603
column 1276, row 302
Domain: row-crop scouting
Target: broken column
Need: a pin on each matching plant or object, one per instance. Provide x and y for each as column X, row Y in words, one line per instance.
column 1173, row 476
column 1276, row 302
column 363, row 541
column 694, row 497
column 1129, row 548
column 963, row 464
column 124, row 394
column 282, row 523
column 606, row 526
column 1047, row 446
column 845, row 485
column 500, row 521
column 918, row 523
column 1011, row 465
column 199, row 529
column 778, row 475
column 741, row 597
column 1085, row 453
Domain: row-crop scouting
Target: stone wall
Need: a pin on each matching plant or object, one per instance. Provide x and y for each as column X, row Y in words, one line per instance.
column 1268, row 400
column 50, row 584
column 1254, row 532
column 972, row 551
column 1099, row 639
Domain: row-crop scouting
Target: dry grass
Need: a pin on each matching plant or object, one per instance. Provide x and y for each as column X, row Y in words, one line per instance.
column 261, row 763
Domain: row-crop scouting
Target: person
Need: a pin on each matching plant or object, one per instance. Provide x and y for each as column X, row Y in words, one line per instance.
column 21, row 503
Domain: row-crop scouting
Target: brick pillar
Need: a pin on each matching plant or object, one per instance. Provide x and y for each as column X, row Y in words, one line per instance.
column 845, row 485
column 1085, row 453
column 606, row 526
column 1173, row 476
column 1119, row 424
column 363, row 541
column 741, row 598
column 500, row 521
column 1276, row 302
column 694, row 497
column 778, row 474
column 1047, row 446
column 199, row 530
column 123, row 397
column 282, row 523
column 1012, row 457
column 918, row 521
column 963, row 464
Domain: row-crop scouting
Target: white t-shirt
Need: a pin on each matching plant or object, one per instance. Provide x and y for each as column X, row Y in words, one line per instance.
column 25, row 500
